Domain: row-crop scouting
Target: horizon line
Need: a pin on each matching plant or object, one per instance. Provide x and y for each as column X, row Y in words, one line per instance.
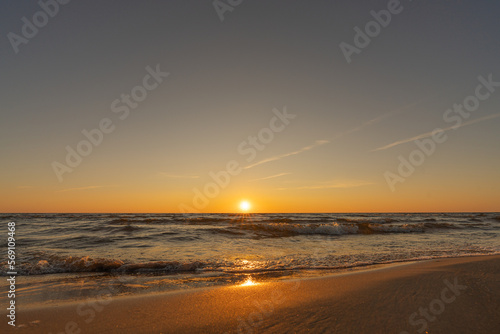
column 246, row 213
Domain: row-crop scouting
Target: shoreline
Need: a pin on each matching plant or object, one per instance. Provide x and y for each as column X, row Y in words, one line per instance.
column 288, row 276
column 359, row 300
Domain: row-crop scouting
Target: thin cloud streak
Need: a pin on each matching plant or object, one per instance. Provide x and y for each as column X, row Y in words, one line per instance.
column 176, row 176
column 429, row 134
column 321, row 142
column 281, row 156
column 387, row 114
column 270, row 177
column 330, row 185
column 365, row 124
column 83, row 188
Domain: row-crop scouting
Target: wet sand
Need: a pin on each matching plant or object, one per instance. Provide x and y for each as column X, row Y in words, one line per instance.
column 456, row 295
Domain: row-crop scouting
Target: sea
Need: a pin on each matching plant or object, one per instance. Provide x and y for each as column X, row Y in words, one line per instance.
column 70, row 257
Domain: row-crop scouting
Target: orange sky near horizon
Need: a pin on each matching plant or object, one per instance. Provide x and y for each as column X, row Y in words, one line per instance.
column 369, row 198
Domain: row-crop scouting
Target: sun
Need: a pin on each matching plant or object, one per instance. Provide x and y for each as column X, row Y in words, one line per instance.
column 245, row 205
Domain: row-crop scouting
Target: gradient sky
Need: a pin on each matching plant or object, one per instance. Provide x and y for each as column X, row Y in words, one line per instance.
column 226, row 77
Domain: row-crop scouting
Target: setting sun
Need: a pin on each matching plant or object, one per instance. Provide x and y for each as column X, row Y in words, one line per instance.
column 245, row 206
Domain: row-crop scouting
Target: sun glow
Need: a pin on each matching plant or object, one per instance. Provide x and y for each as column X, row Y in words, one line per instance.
column 245, row 206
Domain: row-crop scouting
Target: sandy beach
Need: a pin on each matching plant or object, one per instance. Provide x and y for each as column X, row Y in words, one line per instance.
column 456, row 295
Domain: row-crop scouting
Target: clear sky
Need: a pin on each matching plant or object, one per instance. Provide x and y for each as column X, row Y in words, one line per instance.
column 339, row 150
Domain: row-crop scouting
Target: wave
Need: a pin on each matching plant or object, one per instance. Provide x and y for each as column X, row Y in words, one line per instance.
column 442, row 225
column 128, row 221
column 130, row 228
column 373, row 220
column 205, row 220
column 285, row 229
column 361, row 264
column 214, row 219
column 55, row 264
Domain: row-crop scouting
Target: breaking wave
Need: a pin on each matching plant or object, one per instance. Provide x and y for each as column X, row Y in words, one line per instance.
column 286, row 229
column 54, row 264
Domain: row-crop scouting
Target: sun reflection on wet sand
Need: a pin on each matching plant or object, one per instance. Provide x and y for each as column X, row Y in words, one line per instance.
column 248, row 282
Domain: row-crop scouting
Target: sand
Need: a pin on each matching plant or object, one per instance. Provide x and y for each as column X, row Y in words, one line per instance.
column 456, row 295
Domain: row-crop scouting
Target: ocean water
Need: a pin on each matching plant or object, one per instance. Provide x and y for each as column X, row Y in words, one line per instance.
column 67, row 257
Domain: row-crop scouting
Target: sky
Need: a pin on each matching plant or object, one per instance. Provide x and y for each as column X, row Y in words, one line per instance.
column 294, row 106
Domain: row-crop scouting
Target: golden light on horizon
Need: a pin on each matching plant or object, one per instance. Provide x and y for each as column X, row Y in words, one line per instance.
column 245, row 206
